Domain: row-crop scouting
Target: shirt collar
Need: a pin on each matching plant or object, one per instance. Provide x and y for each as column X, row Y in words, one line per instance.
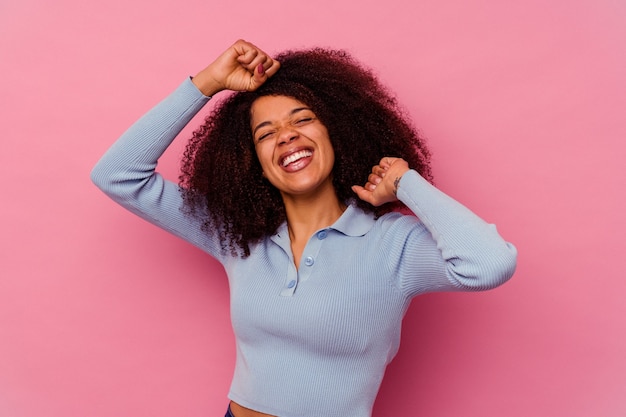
column 353, row 222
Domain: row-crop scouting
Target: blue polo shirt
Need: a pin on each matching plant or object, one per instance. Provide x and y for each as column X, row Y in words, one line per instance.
column 315, row 340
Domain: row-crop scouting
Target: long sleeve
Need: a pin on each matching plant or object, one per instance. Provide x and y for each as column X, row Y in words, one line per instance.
column 473, row 255
column 126, row 172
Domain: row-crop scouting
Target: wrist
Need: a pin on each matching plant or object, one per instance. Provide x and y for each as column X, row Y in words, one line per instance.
column 206, row 84
column 397, row 179
column 396, row 183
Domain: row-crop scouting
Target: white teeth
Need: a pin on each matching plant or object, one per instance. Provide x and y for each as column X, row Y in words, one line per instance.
column 295, row 156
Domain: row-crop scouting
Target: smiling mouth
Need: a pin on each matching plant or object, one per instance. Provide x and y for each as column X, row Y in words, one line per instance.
column 296, row 156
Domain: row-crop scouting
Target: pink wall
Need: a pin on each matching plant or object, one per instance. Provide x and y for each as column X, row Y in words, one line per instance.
column 524, row 104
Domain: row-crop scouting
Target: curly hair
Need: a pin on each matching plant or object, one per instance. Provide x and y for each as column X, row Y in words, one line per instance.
column 221, row 178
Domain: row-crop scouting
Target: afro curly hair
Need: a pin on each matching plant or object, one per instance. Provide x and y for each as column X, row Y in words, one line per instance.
column 221, row 178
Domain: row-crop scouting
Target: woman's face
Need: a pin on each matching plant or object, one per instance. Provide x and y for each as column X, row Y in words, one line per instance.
column 292, row 145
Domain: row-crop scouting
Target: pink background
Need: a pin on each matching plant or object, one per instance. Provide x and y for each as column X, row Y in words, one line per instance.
column 524, row 105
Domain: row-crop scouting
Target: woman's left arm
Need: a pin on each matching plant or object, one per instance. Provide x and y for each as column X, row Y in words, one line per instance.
column 475, row 256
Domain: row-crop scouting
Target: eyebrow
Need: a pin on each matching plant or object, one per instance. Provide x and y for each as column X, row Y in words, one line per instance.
column 267, row 123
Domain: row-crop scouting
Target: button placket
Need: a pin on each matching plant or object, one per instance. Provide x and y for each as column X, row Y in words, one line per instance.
column 311, row 251
column 310, row 254
column 291, row 282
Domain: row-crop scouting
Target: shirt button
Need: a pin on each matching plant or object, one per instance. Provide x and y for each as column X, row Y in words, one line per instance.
column 308, row 261
column 322, row 234
column 291, row 284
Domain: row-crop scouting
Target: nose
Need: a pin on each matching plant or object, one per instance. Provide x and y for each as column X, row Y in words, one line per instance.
column 286, row 135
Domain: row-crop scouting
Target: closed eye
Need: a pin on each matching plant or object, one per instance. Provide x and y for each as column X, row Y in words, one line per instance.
column 264, row 136
column 304, row 120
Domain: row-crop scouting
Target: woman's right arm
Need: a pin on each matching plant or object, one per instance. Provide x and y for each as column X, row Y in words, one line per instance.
column 127, row 171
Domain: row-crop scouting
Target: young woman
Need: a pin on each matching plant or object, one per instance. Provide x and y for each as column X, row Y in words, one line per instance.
column 321, row 269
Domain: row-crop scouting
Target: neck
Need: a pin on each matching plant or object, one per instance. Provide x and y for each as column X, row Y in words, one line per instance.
column 309, row 213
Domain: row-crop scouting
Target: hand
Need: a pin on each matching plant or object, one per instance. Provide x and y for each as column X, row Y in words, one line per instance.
column 382, row 183
column 242, row 67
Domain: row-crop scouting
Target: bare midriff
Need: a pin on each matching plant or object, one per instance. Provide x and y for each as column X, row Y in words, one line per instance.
column 239, row 411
